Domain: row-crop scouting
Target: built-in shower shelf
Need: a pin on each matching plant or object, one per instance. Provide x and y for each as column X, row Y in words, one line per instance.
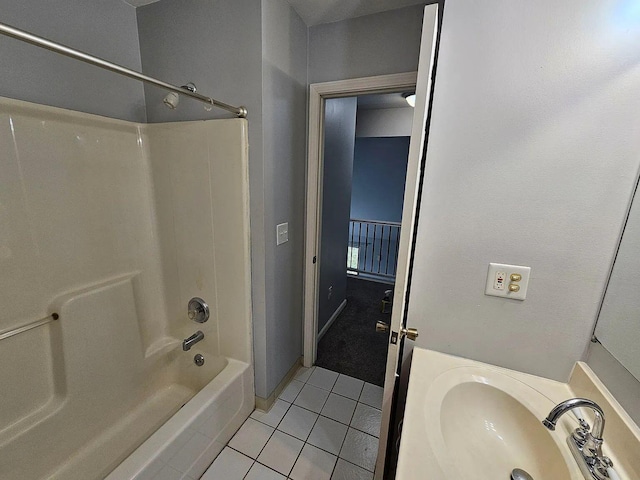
column 161, row 346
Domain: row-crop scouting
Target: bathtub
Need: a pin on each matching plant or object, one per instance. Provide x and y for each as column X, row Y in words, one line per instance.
column 114, row 226
column 192, row 438
column 179, row 418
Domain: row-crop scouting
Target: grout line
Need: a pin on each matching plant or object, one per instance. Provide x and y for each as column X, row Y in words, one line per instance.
column 325, row 416
column 322, row 415
column 318, row 415
column 254, row 462
column 305, row 442
column 297, row 457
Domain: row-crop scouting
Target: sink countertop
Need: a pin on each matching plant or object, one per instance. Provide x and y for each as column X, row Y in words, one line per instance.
column 470, row 420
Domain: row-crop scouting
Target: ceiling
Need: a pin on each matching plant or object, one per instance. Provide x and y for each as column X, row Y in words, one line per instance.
column 315, row 12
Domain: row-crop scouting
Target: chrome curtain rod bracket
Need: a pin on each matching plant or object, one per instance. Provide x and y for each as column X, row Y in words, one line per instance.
column 27, row 37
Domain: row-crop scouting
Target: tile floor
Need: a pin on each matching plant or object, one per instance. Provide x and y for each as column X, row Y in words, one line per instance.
column 324, row 426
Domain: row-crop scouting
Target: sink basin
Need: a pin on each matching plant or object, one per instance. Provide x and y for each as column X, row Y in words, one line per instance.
column 482, row 424
column 485, row 428
column 467, row 420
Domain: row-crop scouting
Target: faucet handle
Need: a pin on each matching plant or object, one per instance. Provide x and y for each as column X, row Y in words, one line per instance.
column 580, row 436
column 198, row 310
column 606, row 462
column 581, row 433
column 600, row 468
column 584, row 425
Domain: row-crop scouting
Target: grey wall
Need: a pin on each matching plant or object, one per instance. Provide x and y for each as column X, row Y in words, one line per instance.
column 379, row 174
column 284, row 107
column 104, row 28
column 379, row 44
column 339, row 144
column 532, row 159
column 384, row 122
column 215, row 44
column 252, row 53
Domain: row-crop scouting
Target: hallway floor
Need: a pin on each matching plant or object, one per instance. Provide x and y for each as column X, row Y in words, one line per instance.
column 351, row 345
column 323, row 426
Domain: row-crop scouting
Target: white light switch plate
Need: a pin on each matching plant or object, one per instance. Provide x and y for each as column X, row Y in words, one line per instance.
column 282, row 233
column 499, row 281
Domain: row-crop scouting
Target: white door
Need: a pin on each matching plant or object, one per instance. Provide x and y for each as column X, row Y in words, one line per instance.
column 414, row 175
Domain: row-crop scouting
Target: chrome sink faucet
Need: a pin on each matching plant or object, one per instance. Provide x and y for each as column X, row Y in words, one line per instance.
column 585, row 444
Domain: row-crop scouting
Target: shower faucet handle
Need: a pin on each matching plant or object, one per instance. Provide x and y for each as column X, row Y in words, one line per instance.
column 198, row 310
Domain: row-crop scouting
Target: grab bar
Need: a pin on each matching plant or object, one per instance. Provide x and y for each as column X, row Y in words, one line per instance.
column 29, row 326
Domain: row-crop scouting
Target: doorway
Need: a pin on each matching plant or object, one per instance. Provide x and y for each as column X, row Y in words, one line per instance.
column 319, row 94
column 422, row 83
column 365, row 151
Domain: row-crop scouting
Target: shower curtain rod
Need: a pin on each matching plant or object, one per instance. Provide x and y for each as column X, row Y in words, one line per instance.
column 85, row 57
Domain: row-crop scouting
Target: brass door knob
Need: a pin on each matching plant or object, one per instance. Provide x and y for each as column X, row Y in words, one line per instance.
column 382, row 327
column 410, row 333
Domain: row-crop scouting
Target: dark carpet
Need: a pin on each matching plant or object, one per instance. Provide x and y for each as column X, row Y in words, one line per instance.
column 351, row 345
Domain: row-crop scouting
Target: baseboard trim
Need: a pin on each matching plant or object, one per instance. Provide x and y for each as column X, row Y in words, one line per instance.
column 265, row 404
column 332, row 319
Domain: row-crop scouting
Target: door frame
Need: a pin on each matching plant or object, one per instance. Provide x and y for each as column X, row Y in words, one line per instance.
column 318, row 93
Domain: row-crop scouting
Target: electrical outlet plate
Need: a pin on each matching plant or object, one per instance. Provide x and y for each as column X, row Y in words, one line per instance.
column 499, row 281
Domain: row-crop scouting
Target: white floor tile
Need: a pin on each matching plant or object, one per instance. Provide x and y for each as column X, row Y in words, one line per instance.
column 312, row 398
column 372, row 395
column 339, row 408
column 367, row 419
column 190, row 452
column 298, row 422
column 230, row 465
column 260, row 472
column 251, row 438
column 273, row 416
column 348, row 387
column 323, row 378
column 348, row 471
column 328, row 435
column 280, row 452
column 291, row 391
column 303, row 374
column 313, row 464
column 360, row 449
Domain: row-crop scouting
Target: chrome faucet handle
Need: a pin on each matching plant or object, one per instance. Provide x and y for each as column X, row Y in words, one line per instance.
column 580, row 434
column 584, row 425
column 600, row 469
column 198, row 310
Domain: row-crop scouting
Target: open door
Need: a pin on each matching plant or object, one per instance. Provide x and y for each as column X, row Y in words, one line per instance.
column 398, row 327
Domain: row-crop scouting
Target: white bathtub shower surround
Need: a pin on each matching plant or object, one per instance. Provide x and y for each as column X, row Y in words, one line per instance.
column 115, row 225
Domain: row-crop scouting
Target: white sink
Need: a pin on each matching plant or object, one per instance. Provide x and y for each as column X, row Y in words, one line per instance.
column 465, row 420
column 486, row 424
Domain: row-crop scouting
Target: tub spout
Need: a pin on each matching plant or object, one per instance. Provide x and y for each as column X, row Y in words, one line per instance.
column 187, row 343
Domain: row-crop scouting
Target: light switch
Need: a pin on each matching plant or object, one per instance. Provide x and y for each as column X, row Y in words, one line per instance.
column 514, row 277
column 282, row 233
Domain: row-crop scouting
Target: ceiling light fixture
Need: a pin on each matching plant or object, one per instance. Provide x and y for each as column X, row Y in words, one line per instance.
column 410, row 98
